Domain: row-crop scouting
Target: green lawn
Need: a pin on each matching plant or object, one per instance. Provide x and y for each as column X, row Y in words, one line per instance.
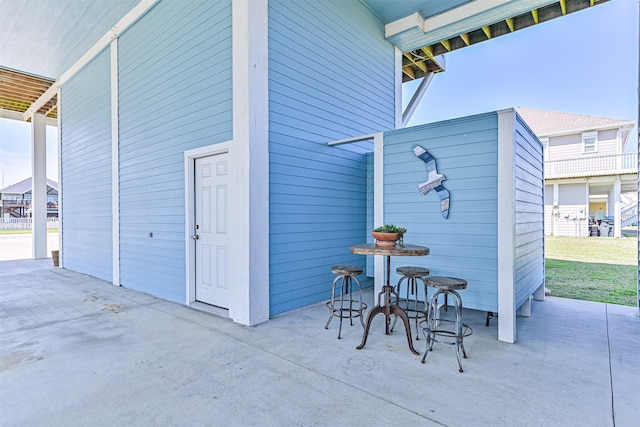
column 592, row 269
column 50, row 230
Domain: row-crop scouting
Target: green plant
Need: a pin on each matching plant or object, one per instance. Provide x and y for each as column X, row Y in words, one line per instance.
column 390, row 228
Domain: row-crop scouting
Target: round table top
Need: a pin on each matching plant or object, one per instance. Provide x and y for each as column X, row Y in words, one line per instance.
column 397, row 250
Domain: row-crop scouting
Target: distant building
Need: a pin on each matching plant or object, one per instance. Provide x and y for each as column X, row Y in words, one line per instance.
column 588, row 175
column 15, row 200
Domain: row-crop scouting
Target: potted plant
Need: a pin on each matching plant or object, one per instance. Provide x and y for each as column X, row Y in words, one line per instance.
column 388, row 234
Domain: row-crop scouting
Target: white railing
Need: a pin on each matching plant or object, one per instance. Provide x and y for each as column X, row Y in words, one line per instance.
column 615, row 164
column 25, row 223
column 629, row 215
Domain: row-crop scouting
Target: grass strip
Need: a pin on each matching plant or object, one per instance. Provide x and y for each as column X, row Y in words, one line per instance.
column 608, row 283
column 50, row 230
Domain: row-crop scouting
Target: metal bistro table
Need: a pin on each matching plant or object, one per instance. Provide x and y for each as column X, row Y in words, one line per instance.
column 388, row 307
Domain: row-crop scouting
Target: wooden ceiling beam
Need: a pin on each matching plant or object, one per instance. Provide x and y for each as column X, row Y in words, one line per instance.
column 17, row 77
column 24, row 86
column 510, row 24
column 25, row 94
column 420, row 64
column 49, row 110
column 428, row 50
column 409, row 72
column 536, row 17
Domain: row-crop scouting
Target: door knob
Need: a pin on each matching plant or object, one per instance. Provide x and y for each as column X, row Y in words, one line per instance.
column 195, row 237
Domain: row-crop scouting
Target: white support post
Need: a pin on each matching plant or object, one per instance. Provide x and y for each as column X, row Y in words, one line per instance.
column 378, row 204
column 398, row 87
column 416, row 98
column 556, row 211
column 506, row 229
column 39, row 185
column 249, row 162
column 60, row 183
column 525, row 310
column 115, row 174
column 617, row 207
column 539, row 293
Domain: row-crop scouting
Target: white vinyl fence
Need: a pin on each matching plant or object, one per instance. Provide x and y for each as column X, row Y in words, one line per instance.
column 25, row 223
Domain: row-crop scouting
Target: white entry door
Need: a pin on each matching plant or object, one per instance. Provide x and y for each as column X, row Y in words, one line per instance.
column 211, row 232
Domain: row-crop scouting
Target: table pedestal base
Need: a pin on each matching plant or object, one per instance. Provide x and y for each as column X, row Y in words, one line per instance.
column 387, row 309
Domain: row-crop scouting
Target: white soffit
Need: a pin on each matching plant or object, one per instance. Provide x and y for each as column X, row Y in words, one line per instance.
column 132, row 16
column 46, row 37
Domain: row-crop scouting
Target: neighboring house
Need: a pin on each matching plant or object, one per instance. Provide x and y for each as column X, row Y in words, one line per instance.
column 588, row 174
column 15, row 200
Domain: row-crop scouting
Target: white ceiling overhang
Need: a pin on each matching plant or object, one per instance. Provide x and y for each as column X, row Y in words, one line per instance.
column 423, row 39
column 43, row 43
column 415, row 32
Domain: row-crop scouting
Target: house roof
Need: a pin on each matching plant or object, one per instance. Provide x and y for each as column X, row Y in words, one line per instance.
column 24, row 186
column 546, row 123
column 45, row 42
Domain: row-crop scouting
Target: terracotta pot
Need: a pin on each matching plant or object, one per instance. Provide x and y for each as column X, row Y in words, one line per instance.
column 385, row 239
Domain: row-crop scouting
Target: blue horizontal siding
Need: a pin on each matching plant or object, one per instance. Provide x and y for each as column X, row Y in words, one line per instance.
column 175, row 95
column 318, row 194
column 528, row 211
column 465, row 244
column 86, row 169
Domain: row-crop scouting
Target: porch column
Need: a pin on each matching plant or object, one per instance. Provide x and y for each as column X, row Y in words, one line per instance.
column 617, row 207
column 249, row 162
column 555, row 212
column 39, row 185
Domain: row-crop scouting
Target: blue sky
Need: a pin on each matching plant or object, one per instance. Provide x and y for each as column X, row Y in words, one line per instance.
column 15, row 152
column 583, row 63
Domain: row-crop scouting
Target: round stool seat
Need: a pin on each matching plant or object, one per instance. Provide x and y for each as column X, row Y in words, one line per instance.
column 446, row 283
column 346, row 270
column 413, row 271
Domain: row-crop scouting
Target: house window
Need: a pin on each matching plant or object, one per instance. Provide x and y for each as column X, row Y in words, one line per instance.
column 590, row 142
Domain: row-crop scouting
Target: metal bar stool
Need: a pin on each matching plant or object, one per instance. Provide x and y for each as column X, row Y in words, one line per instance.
column 412, row 308
column 349, row 307
column 446, row 286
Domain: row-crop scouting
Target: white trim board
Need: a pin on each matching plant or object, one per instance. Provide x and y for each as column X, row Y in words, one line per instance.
column 506, row 228
column 115, row 169
column 249, row 163
column 378, row 204
column 189, row 212
column 60, row 185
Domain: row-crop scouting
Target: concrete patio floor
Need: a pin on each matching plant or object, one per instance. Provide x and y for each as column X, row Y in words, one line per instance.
column 78, row 351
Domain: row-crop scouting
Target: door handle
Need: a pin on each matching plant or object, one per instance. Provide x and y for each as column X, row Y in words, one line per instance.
column 195, row 237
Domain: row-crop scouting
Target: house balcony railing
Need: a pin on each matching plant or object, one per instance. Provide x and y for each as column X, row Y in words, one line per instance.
column 16, row 203
column 23, row 203
column 629, row 215
column 615, row 164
